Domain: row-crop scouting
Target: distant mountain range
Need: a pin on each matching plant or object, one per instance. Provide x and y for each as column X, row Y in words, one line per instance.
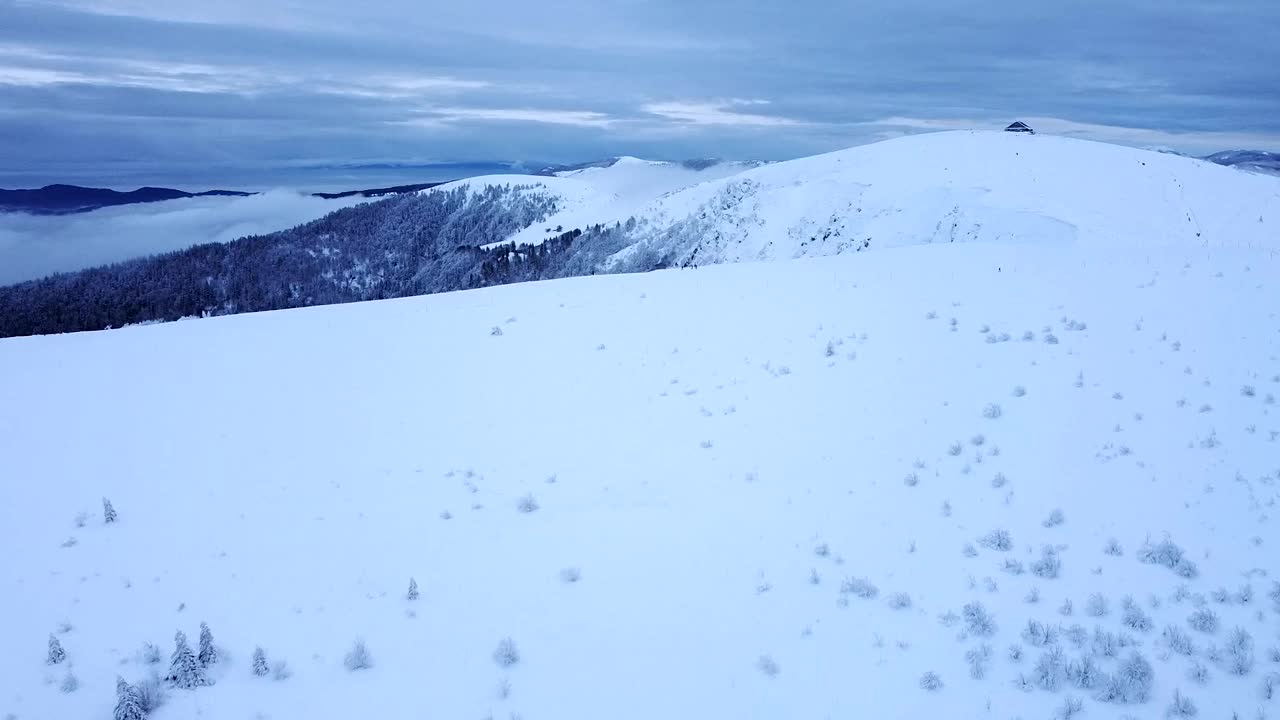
column 1254, row 160
column 71, row 199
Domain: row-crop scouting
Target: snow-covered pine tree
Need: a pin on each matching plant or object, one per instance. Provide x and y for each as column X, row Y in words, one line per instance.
column 128, row 704
column 56, row 653
column 185, row 670
column 413, row 589
column 108, row 512
column 208, row 652
column 260, row 662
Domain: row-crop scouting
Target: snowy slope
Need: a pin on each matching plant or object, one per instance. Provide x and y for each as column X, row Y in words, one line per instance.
column 718, row 452
column 961, row 187
column 603, row 193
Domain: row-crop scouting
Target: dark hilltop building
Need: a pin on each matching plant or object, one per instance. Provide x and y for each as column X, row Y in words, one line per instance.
column 1020, row 126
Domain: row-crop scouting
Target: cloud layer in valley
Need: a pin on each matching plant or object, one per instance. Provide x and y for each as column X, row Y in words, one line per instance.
column 33, row 246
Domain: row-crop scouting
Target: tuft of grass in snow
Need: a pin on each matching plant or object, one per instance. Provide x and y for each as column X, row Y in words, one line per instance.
column 899, row 601
column 992, row 411
column 1055, row 518
column 1167, row 553
column 570, row 575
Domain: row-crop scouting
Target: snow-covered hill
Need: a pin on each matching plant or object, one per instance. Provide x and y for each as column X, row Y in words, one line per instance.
column 759, row 490
column 604, row 192
column 964, row 187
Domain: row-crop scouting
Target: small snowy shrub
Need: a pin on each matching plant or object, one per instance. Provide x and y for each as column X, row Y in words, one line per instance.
column 1198, row 673
column 1248, row 391
column 768, row 666
column 70, row 683
column 1168, row 554
column 1113, row 548
column 260, row 668
column 506, row 654
column 1085, row 673
column 999, row 481
column 81, row 519
column 1181, row 707
column 1051, row 339
column 978, row 621
column 1134, row 617
column 1032, row 596
column 527, row 504
column 1071, row 707
column 969, row 550
column 570, row 575
column 1019, row 391
column 358, row 658
column 1050, row 670
column 1240, row 652
column 1049, row 563
column 496, row 331
column 1177, row 640
column 280, row 671
column 1097, row 605
column 955, row 450
column 108, row 512
column 1105, row 644
column 152, row 693
column 996, row 540
column 1270, row 686
column 1067, row 608
column 1013, row 567
column 150, row 654
column 1055, row 518
column 899, row 601
column 413, row 590
column 911, row 480
column 1204, row 620
column 821, row 550
column 1038, row 634
column 1131, row 682
column 992, row 411
column 1077, row 635
column 978, row 658
column 930, row 681
column 1015, row 653
column 861, row 587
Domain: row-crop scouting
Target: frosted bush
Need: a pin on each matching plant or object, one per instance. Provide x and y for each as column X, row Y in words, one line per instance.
column 1071, row 707
column 861, row 587
column 999, row 481
column 767, row 666
column 506, row 654
column 1177, row 640
column 70, row 683
column 358, row 658
column 1181, row 707
column 930, row 681
column 1198, row 673
column 1077, row 636
column 259, row 665
column 1168, row 554
column 151, row 693
column 527, row 504
column 1049, row 564
column 1067, row 608
column 1203, row 620
column 1050, row 670
column 1019, row 391
column 1113, row 548
column 571, row 575
column 280, row 671
column 1013, row 567
column 899, row 601
column 1015, row 653
column 1134, row 617
column 978, row 658
column 1085, row 673
column 1239, row 652
column 997, row 540
column 978, row 621
column 1038, row 634
column 1055, row 518
column 1131, row 682
column 969, row 550
column 1097, row 605
column 992, row 411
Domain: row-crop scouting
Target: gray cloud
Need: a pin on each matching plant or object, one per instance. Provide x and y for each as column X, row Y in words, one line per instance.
column 253, row 83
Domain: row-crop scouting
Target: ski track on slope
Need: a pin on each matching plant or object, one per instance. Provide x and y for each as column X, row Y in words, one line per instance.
column 693, row 440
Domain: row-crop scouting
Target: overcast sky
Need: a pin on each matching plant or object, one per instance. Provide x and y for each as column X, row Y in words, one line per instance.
column 182, row 89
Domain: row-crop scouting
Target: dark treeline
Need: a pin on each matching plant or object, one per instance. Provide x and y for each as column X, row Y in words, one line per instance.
column 402, row 246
